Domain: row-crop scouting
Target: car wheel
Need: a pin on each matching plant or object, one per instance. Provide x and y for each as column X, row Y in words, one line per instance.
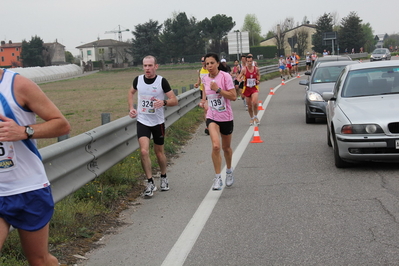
column 339, row 163
column 328, row 137
column 309, row 120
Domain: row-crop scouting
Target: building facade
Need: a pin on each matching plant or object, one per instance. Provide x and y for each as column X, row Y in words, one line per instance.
column 292, row 38
column 56, row 53
column 10, row 54
column 105, row 50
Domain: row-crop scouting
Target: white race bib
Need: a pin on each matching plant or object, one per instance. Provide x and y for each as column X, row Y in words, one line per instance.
column 146, row 104
column 216, row 102
column 7, row 156
column 251, row 82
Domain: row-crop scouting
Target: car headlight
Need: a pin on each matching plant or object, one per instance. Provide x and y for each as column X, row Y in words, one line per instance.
column 314, row 97
column 384, row 55
column 362, row 129
column 371, row 56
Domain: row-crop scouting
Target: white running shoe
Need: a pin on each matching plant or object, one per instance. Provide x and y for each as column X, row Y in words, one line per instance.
column 229, row 179
column 217, row 183
column 149, row 190
column 164, row 184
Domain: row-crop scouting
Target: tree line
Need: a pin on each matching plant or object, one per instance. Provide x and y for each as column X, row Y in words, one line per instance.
column 181, row 38
column 35, row 53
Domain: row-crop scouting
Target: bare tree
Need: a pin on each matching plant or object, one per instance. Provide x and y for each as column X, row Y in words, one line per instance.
column 279, row 31
column 279, row 36
column 288, row 24
column 335, row 18
column 302, row 40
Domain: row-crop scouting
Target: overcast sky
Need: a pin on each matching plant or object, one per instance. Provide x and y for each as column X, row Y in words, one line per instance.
column 75, row 22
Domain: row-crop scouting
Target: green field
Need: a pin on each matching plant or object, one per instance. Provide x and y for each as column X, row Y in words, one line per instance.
column 82, row 100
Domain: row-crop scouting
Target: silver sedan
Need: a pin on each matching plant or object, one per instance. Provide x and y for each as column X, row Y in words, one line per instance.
column 363, row 114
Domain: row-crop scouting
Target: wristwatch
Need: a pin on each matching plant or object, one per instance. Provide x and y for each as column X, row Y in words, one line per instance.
column 29, row 131
column 218, row 90
column 165, row 102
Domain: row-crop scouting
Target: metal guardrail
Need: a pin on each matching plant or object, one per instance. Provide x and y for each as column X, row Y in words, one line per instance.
column 72, row 163
column 358, row 55
column 274, row 68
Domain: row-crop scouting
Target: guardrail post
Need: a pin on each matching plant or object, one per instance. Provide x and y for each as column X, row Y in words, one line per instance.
column 183, row 89
column 191, row 86
column 64, row 137
column 176, row 91
column 105, row 118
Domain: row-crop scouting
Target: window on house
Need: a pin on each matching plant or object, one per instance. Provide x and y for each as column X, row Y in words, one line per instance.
column 17, row 58
column 2, row 59
column 101, row 50
column 17, row 49
column 88, row 52
column 12, row 54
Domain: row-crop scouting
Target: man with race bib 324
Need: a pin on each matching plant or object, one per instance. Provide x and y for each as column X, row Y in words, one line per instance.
column 151, row 89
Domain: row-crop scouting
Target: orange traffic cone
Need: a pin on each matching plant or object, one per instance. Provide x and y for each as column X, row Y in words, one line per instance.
column 260, row 107
column 256, row 138
column 271, row 91
column 282, row 82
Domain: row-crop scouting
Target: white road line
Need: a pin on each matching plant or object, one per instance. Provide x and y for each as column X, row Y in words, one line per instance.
column 179, row 252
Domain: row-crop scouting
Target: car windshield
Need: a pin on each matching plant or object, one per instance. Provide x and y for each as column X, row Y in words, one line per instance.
column 326, row 74
column 379, row 51
column 372, row 81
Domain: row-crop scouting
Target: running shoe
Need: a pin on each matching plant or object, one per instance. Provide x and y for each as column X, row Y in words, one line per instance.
column 207, row 131
column 217, row 183
column 256, row 120
column 229, row 179
column 251, row 122
column 164, row 184
column 149, row 190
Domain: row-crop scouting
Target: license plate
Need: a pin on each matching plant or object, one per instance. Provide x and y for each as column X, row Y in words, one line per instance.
column 397, row 144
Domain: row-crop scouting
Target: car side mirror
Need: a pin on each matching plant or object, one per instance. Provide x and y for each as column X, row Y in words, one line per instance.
column 308, row 73
column 304, row 82
column 328, row 96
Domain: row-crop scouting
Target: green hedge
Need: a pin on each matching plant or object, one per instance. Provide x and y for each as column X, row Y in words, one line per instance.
column 266, row 51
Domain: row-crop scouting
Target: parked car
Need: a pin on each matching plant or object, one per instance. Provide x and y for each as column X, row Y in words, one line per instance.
column 363, row 114
column 380, row 54
column 322, row 79
column 328, row 58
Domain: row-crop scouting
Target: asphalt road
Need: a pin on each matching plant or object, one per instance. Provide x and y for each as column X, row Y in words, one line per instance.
column 289, row 205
